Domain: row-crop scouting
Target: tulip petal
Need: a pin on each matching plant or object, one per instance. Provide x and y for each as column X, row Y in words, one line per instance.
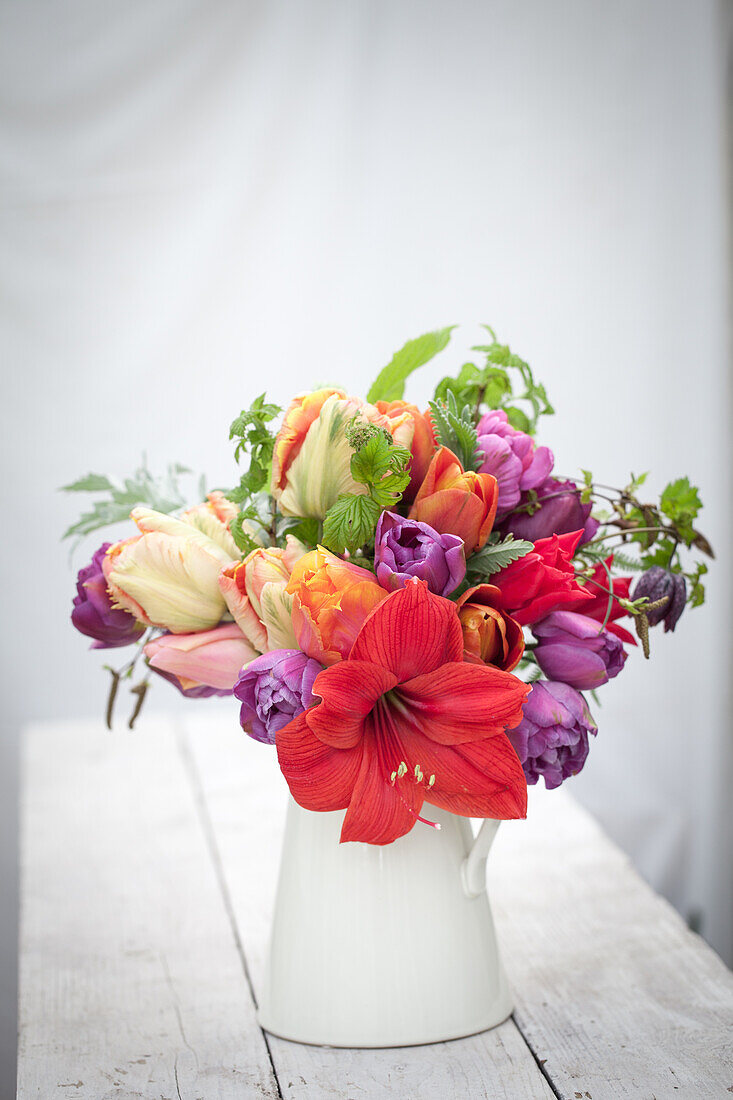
column 232, row 582
column 212, row 657
column 452, row 510
column 570, row 664
column 204, row 518
column 148, row 521
column 349, row 691
column 411, row 632
column 319, row 777
column 277, row 616
column 174, row 579
column 464, row 702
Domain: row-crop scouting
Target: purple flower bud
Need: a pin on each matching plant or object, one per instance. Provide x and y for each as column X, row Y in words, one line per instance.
column 661, row 584
column 552, row 738
column 93, row 612
column 273, row 689
column 577, row 650
column 560, row 512
column 406, row 548
column 512, row 458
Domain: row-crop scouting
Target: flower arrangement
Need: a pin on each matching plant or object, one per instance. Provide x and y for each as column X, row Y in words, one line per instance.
column 407, row 604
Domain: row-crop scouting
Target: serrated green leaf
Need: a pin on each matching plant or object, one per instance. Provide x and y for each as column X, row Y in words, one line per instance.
column 390, row 382
column 388, row 491
column 497, row 556
column 661, row 555
column 242, row 538
column 680, row 500
column 372, row 460
column 350, row 522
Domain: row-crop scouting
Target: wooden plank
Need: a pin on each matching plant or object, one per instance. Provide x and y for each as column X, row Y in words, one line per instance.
column 131, row 984
column 613, row 993
column 244, row 796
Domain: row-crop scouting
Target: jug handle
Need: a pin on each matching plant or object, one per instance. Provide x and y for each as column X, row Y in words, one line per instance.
column 473, row 868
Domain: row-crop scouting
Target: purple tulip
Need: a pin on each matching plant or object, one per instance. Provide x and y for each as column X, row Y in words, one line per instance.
column 405, row 548
column 512, row 458
column 552, row 738
column 577, row 650
column 561, row 512
column 657, row 584
column 93, row 612
column 273, row 689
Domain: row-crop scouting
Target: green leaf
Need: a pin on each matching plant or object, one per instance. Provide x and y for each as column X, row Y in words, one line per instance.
column 388, row 491
column 307, row 531
column 696, row 595
column 372, row 461
column 457, row 431
column 390, row 382
column 662, row 554
column 92, row 483
column 498, row 387
column 161, row 493
column 378, row 462
column 257, row 441
column 517, row 418
column 635, row 483
column 680, row 501
column 243, row 538
column 497, row 556
column 350, row 522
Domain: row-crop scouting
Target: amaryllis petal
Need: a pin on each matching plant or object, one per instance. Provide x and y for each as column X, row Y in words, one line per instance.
column 464, row 702
column 380, row 810
column 476, row 779
column 320, row 778
column 410, row 633
column 349, row 691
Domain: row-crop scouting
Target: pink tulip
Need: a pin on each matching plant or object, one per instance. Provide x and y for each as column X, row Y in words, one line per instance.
column 211, row 658
column 254, row 590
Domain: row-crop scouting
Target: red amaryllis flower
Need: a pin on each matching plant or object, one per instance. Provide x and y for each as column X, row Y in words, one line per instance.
column 599, row 585
column 404, row 720
column 542, row 581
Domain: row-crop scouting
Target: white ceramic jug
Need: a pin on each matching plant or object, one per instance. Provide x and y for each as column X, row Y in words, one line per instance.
column 382, row 946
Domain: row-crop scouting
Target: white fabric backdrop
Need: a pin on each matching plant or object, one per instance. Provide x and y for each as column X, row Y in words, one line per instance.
column 201, row 198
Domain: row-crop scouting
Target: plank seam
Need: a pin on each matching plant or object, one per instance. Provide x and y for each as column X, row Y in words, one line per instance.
column 211, row 843
column 539, row 1063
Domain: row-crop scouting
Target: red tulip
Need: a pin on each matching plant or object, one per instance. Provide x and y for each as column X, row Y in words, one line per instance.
column 542, row 581
column 405, row 720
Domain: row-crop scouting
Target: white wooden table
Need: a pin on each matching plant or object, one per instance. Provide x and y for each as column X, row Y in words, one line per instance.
column 149, row 862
